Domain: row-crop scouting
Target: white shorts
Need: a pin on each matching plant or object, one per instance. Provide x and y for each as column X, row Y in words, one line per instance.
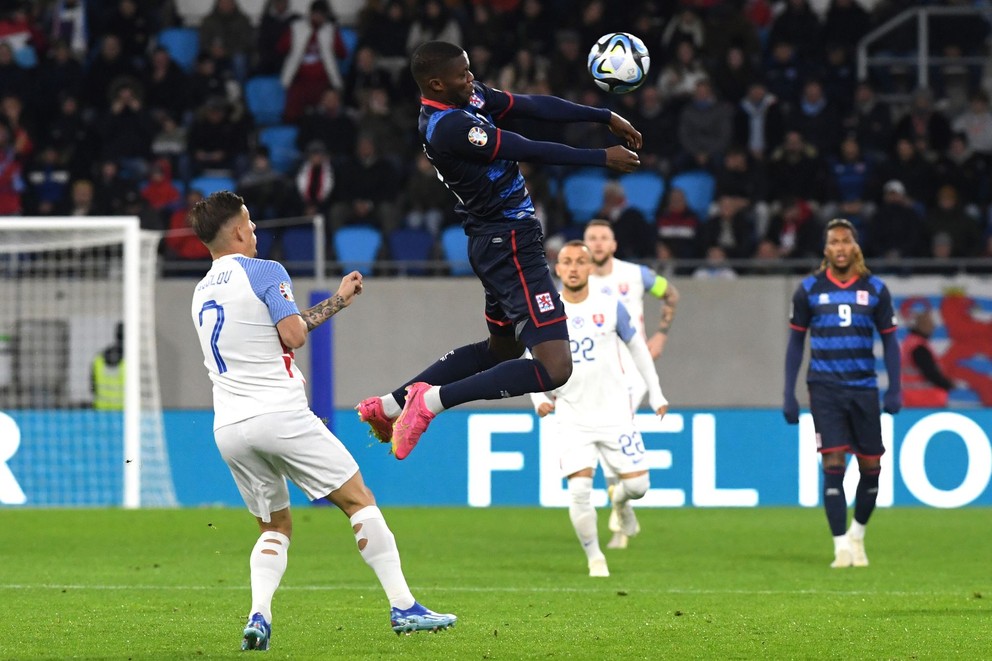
column 265, row 450
column 619, row 449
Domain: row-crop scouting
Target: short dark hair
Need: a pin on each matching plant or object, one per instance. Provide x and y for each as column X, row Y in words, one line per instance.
column 575, row 243
column 841, row 223
column 430, row 57
column 208, row 217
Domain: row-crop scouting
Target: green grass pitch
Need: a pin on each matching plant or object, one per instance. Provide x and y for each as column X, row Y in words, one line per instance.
column 696, row 584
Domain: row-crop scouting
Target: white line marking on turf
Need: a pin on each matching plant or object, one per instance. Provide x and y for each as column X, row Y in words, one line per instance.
column 437, row 588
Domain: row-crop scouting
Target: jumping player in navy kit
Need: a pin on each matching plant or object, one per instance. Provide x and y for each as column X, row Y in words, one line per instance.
column 478, row 162
column 842, row 305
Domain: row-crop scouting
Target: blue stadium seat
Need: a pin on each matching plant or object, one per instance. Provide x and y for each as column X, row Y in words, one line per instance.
column 454, row 247
column 644, row 191
column 411, row 245
column 583, row 193
column 357, row 247
column 183, row 45
column 266, row 99
column 699, row 187
column 208, row 185
column 281, row 141
column 350, row 38
column 298, row 249
column 26, row 57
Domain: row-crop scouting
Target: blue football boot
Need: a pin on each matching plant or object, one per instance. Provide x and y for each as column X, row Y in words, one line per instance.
column 257, row 634
column 418, row 618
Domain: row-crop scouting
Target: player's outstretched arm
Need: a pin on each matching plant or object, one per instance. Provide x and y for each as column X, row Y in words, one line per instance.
column 351, row 286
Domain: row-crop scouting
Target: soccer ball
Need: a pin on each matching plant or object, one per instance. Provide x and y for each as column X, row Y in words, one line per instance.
column 618, row 62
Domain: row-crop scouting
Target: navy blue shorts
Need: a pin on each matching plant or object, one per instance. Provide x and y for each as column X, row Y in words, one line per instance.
column 521, row 297
column 847, row 419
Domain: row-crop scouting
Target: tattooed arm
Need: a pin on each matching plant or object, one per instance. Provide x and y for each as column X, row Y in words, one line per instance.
column 669, row 301
column 293, row 329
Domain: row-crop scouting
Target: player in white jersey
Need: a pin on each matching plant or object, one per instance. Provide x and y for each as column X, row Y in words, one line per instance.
column 629, row 282
column 593, row 411
column 249, row 326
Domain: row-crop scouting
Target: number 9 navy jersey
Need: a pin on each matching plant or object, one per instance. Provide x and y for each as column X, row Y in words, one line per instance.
column 463, row 144
column 842, row 319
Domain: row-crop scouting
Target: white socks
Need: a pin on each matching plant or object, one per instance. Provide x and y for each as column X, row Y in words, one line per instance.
column 268, row 564
column 432, row 398
column 857, row 530
column 390, row 406
column 631, row 488
column 841, row 543
column 583, row 515
column 378, row 548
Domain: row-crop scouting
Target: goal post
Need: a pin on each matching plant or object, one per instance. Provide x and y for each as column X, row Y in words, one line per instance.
column 67, row 285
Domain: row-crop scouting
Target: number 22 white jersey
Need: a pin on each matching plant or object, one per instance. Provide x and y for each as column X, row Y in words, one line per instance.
column 596, row 394
column 235, row 309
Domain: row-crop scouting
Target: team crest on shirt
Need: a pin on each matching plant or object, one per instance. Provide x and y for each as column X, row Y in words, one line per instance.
column 578, row 322
column 477, row 136
column 861, row 297
column 476, row 100
column 624, row 288
column 286, row 290
column 544, row 302
column 598, row 319
column 824, row 299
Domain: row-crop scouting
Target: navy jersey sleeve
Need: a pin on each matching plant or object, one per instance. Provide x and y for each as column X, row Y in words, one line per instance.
column 495, row 102
column 884, row 315
column 465, row 136
column 800, row 314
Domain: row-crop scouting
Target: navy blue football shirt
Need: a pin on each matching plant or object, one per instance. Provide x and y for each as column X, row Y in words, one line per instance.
column 841, row 318
column 463, row 145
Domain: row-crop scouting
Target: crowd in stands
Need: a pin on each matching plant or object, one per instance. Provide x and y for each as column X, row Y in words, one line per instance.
column 99, row 116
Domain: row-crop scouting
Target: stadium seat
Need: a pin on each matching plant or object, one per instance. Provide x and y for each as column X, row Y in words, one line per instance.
column 208, row 185
column 644, row 191
column 411, row 245
column 698, row 187
column 350, row 38
column 298, row 249
column 454, row 246
column 357, row 247
column 281, row 141
column 183, row 45
column 26, row 57
column 266, row 99
column 583, row 193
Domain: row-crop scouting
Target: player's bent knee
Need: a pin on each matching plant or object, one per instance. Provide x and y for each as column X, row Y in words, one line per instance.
column 636, row 487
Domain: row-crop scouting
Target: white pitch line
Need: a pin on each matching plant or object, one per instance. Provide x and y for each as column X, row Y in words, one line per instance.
column 510, row 589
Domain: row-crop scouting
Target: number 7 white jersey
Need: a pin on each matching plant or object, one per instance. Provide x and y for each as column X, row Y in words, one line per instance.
column 235, row 309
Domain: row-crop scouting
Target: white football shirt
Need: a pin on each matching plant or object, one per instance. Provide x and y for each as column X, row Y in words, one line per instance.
column 628, row 282
column 235, row 309
column 596, row 394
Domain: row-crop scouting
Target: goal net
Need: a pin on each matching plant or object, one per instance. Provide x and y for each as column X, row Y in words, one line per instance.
column 80, row 412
